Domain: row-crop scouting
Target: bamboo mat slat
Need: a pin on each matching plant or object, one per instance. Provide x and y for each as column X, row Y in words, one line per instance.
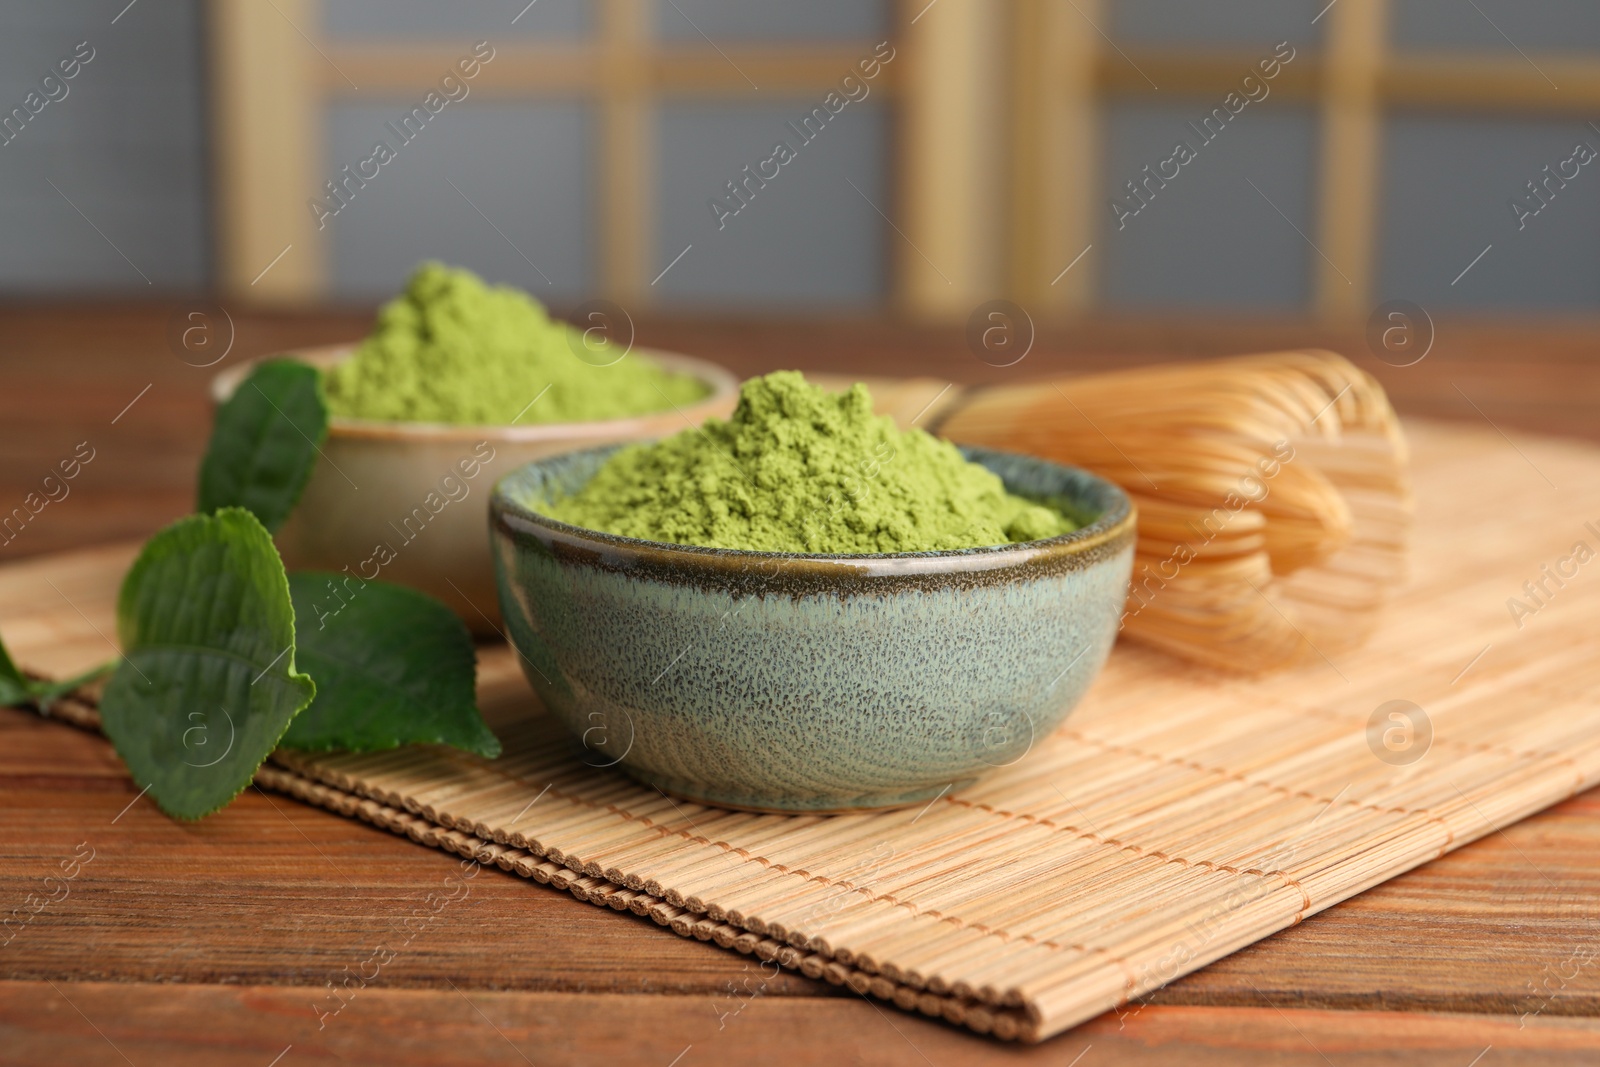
column 1176, row 817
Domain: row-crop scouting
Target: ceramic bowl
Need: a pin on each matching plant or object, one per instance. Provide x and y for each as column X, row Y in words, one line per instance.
column 379, row 503
column 786, row 682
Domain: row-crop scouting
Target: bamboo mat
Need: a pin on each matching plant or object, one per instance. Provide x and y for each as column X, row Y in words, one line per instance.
column 1177, row 816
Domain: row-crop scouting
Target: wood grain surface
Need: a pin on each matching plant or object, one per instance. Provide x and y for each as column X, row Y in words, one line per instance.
column 221, row 1026
column 208, row 943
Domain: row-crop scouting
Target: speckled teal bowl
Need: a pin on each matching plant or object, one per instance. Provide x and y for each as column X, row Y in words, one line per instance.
column 786, row 682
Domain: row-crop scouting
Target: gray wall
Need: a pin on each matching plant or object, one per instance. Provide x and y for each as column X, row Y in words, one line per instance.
column 1447, row 185
column 1222, row 234
column 1235, row 23
column 522, row 209
column 811, row 235
column 1497, row 25
column 771, row 20
column 518, row 211
column 124, row 150
column 471, row 20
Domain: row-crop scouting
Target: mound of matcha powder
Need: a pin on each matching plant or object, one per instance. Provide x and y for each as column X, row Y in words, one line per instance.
column 452, row 349
column 798, row 469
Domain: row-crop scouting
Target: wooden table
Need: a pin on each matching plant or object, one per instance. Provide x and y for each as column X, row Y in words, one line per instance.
column 209, row 943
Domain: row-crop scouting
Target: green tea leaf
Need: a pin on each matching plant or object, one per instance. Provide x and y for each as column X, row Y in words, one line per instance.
column 14, row 686
column 17, row 688
column 47, row 693
column 207, row 684
column 393, row 667
column 265, row 441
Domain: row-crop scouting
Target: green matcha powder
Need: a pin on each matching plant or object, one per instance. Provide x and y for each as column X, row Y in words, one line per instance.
column 452, row 349
column 798, row 469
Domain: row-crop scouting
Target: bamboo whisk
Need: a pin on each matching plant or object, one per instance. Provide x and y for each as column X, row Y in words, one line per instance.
column 1272, row 494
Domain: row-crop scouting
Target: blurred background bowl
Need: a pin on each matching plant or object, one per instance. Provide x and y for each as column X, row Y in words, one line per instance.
column 787, row 682
column 367, row 491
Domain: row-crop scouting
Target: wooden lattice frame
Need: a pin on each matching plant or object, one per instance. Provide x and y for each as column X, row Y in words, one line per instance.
column 996, row 153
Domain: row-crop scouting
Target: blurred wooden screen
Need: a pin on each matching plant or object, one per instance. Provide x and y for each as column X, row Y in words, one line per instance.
column 988, row 158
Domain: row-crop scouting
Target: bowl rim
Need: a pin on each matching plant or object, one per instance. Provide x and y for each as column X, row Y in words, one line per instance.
column 1116, row 522
column 724, row 387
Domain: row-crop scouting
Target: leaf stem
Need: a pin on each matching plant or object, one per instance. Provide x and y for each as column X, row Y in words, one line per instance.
column 47, row 693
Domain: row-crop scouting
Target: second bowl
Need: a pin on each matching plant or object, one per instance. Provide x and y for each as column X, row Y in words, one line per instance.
column 406, row 501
